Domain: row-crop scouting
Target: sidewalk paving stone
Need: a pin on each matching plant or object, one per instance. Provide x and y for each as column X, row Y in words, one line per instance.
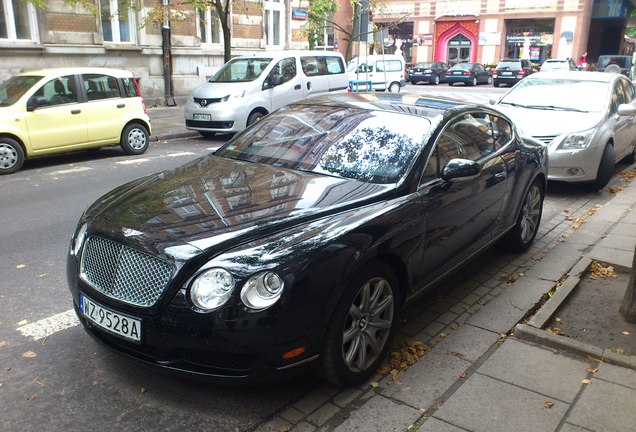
column 380, row 414
column 605, row 406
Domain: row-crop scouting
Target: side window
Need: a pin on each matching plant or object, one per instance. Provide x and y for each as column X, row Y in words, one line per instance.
column 502, row 132
column 286, row 68
column 130, row 87
column 100, row 86
column 335, row 65
column 628, row 90
column 320, row 65
column 618, row 96
column 59, row 91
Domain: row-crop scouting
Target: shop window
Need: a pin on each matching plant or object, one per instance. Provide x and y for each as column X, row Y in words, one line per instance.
column 274, row 23
column 118, row 21
column 209, row 26
column 17, row 21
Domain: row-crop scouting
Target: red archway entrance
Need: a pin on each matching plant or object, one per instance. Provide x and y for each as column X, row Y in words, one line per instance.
column 456, row 41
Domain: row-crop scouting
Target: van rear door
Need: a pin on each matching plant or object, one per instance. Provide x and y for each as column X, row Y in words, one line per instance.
column 323, row 74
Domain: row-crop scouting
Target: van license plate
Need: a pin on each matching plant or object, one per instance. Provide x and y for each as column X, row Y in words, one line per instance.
column 114, row 322
column 203, row 117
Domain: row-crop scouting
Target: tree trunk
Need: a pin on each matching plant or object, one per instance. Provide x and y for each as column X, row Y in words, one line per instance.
column 628, row 307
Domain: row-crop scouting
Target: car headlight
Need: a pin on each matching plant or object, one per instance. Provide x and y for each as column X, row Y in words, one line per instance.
column 78, row 241
column 578, row 140
column 233, row 96
column 262, row 290
column 211, row 289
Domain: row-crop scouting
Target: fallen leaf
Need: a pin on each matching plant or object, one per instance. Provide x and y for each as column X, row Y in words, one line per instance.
column 423, row 410
column 556, row 331
column 442, row 335
column 29, row 354
column 463, row 375
column 41, row 275
column 3, row 344
column 32, row 398
column 557, row 319
column 626, row 333
column 586, row 381
column 600, row 270
column 23, row 322
column 592, row 370
column 20, row 266
column 548, row 404
column 481, row 302
column 615, row 189
column 455, row 326
column 374, row 384
column 142, row 390
column 96, row 382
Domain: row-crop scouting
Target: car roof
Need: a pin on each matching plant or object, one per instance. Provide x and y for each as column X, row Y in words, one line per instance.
column 406, row 103
column 576, row 75
column 287, row 53
column 119, row 73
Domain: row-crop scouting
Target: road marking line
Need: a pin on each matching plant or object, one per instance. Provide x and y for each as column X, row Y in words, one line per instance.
column 48, row 326
column 183, row 153
column 133, row 161
column 72, row 170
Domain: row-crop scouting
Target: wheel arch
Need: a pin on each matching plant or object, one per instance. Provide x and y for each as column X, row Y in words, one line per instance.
column 18, row 140
column 136, row 120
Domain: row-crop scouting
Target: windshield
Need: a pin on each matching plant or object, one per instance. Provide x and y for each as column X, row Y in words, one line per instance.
column 571, row 94
column 424, row 65
column 13, row 89
column 241, row 70
column 370, row 146
column 463, row 66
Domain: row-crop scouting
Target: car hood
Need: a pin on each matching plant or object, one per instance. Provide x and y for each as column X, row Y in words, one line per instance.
column 216, row 203
column 538, row 122
column 220, row 90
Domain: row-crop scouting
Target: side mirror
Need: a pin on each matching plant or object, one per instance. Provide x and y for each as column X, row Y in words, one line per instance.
column 277, row 80
column 493, row 101
column 626, row 110
column 36, row 102
column 460, row 169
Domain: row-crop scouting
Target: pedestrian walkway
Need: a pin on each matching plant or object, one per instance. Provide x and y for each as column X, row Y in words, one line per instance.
column 492, row 366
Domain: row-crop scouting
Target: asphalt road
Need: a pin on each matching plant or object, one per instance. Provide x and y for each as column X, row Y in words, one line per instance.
column 65, row 380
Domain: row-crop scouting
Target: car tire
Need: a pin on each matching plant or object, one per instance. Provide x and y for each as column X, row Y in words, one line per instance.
column 135, row 139
column 473, row 82
column 631, row 158
column 362, row 326
column 489, row 80
column 11, row 156
column 413, row 82
column 605, row 168
column 254, row 117
column 394, row 87
column 521, row 236
column 205, row 134
column 495, row 83
column 436, row 80
column 450, row 83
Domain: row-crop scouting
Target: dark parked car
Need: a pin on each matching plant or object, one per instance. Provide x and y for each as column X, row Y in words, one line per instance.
column 469, row 74
column 615, row 63
column 298, row 242
column 511, row 71
column 432, row 73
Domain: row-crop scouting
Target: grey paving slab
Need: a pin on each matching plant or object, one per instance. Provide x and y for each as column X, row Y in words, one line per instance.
column 614, row 241
column 616, row 257
column 437, row 425
column 566, row 427
column 427, row 380
column 534, row 368
column 484, row 404
column 468, row 342
column 605, row 406
column 590, row 232
column 380, row 414
column 504, row 311
column 613, row 211
column 616, row 374
column 556, row 264
column 624, row 229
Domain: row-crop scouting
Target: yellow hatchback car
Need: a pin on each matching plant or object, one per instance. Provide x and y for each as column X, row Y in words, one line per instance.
column 61, row 110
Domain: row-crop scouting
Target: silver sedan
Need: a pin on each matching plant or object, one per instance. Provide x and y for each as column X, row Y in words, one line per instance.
column 587, row 119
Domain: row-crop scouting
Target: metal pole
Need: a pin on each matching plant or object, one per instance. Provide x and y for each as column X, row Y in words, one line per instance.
column 167, row 56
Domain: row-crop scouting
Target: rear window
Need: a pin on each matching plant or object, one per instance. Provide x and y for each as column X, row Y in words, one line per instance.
column 130, row 87
column 620, row 61
column 509, row 64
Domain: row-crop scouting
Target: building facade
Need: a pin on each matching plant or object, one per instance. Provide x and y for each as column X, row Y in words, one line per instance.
column 487, row 30
column 128, row 35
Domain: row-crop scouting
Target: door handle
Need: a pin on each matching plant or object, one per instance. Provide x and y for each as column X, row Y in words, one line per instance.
column 121, row 105
column 297, row 87
column 500, row 175
column 308, row 86
column 76, row 111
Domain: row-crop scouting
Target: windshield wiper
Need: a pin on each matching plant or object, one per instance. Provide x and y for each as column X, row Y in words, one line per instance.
column 555, row 108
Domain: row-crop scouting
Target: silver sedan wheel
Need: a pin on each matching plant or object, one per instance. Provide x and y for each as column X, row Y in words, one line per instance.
column 368, row 325
column 531, row 214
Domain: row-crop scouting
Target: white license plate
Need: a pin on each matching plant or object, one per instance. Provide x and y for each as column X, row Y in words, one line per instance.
column 506, row 73
column 458, row 73
column 204, row 117
column 119, row 324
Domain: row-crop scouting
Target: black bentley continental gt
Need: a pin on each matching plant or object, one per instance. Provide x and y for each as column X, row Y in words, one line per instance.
column 299, row 241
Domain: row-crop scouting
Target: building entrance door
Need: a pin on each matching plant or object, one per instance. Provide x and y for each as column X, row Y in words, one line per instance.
column 459, row 49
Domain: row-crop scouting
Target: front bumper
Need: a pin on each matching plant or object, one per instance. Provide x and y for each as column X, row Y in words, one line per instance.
column 224, row 117
column 574, row 165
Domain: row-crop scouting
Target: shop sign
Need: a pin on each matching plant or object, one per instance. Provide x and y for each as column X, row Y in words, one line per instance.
column 426, row 39
column 489, row 38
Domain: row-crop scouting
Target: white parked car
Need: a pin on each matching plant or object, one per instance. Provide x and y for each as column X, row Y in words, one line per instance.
column 587, row 119
column 249, row 87
column 559, row 64
column 382, row 71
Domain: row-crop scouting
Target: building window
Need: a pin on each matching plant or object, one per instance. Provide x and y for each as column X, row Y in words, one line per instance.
column 118, row 21
column 274, row 23
column 209, row 26
column 325, row 37
column 17, row 21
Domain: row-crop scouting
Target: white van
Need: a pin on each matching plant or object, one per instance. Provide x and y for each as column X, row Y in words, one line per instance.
column 249, row 87
column 377, row 72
